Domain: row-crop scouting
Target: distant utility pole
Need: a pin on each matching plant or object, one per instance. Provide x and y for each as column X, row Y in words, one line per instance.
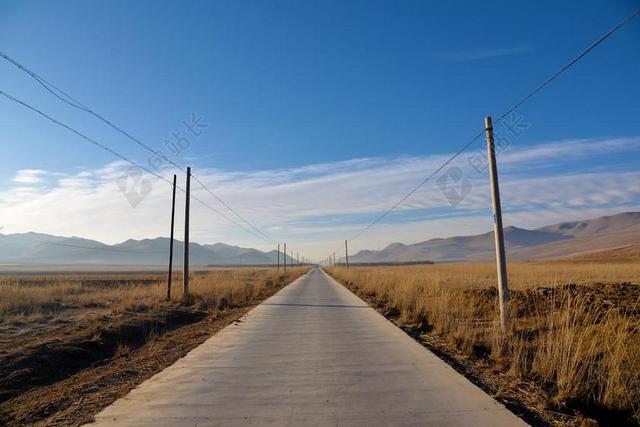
column 278, row 257
column 297, row 257
column 173, row 213
column 503, row 288
column 346, row 252
column 185, row 270
column 334, row 259
column 284, row 261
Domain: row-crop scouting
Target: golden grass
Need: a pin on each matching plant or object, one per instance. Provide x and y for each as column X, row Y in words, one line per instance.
column 582, row 343
column 27, row 296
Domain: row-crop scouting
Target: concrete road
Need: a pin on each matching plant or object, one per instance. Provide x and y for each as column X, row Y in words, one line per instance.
column 314, row 354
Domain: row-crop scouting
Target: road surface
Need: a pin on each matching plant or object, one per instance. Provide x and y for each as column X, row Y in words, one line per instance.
column 314, row 354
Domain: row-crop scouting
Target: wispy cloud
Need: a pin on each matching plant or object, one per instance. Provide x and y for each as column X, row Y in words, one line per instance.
column 29, row 176
column 482, row 53
column 573, row 148
column 319, row 205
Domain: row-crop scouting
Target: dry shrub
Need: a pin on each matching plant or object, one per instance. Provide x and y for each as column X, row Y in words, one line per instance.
column 575, row 327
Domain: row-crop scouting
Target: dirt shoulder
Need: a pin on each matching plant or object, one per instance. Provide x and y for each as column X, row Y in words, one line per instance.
column 69, row 379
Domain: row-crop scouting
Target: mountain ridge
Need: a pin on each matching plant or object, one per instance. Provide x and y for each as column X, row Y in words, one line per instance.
column 555, row 240
column 41, row 248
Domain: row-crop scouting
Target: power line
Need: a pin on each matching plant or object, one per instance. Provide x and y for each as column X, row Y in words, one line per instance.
column 80, row 134
column 122, row 157
column 68, row 99
column 570, row 64
column 518, row 104
column 48, row 86
column 202, row 202
column 232, row 210
column 417, row 187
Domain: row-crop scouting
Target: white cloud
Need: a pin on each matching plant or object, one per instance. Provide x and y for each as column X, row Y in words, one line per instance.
column 570, row 149
column 29, row 176
column 315, row 207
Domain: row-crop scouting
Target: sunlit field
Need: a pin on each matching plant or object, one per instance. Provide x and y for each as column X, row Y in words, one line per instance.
column 64, row 334
column 575, row 327
column 42, row 296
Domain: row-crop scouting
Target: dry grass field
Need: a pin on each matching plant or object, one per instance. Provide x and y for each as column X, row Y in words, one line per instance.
column 71, row 344
column 574, row 342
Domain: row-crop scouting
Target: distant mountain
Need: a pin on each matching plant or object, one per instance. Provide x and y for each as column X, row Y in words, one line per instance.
column 36, row 248
column 602, row 225
column 241, row 255
column 552, row 241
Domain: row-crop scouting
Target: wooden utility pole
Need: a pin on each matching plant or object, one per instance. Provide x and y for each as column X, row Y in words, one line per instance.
column 173, row 214
column 346, row 253
column 278, row 257
column 185, row 269
column 284, row 261
column 503, row 287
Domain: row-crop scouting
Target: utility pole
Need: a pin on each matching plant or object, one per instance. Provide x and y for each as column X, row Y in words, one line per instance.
column 297, row 258
column 278, row 257
column 173, row 213
column 284, row 261
column 503, row 288
column 334, row 259
column 185, row 269
column 346, row 253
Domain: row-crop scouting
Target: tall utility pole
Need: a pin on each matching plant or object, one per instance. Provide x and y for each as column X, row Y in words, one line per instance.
column 503, row 288
column 185, row 269
column 278, row 257
column 284, row 261
column 346, row 253
column 173, row 214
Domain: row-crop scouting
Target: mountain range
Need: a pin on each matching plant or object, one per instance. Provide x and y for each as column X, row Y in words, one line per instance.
column 553, row 241
column 36, row 248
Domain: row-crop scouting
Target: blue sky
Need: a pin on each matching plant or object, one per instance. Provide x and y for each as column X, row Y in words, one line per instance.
column 302, row 95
